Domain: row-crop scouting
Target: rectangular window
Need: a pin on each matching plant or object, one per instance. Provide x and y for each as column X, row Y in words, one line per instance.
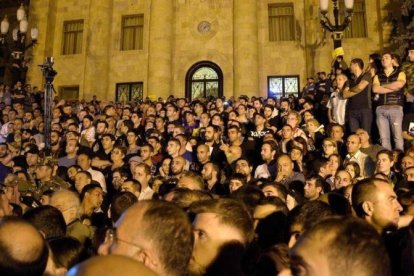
column 132, row 34
column 358, row 26
column 130, row 91
column 72, row 37
column 283, row 86
column 281, row 22
column 69, row 92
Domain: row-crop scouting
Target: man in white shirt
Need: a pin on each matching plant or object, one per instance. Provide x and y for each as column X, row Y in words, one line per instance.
column 142, row 173
column 336, row 104
column 365, row 163
column 84, row 161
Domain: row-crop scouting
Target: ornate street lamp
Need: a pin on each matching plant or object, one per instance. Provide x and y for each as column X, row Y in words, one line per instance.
column 19, row 33
column 336, row 29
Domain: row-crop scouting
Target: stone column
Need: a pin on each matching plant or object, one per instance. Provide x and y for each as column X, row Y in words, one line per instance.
column 246, row 75
column 160, row 49
column 97, row 29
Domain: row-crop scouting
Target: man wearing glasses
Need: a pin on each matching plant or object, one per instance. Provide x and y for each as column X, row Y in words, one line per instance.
column 156, row 233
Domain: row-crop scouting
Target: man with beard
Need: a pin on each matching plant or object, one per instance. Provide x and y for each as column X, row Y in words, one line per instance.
column 211, row 176
column 313, row 187
column 203, row 157
column 210, row 136
column 100, row 129
column 268, row 152
column 236, row 138
column 178, row 166
column 243, row 167
column 255, row 138
column 46, row 178
column 5, row 157
column 27, row 138
column 55, row 145
column 32, row 157
column 355, row 154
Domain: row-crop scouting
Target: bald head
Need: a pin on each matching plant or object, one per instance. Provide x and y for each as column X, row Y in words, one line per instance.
column 178, row 165
column 284, row 165
column 66, row 198
column 24, row 251
column 68, row 203
column 203, row 153
column 110, row 265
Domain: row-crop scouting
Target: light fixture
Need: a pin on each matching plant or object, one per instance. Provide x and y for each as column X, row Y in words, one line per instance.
column 349, row 4
column 14, row 41
column 21, row 13
column 4, row 28
column 324, row 5
column 23, row 25
column 338, row 26
column 34, row 33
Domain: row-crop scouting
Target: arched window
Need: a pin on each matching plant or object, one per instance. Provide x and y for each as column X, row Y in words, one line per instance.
column 204, row 79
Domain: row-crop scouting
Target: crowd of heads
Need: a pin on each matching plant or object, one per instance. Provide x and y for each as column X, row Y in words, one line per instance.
column 307, row 184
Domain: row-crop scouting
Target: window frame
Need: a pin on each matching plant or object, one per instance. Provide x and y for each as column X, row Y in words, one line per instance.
column 130, row 85
column 283, row 77
column 134, row 28
column 193, row 69
column 78, row 34
column 293, row 24
column 73, row 87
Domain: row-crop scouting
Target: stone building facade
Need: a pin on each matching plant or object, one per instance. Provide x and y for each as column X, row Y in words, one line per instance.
column 240, row 41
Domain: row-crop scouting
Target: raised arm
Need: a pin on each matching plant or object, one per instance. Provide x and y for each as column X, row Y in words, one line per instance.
column 347, row 93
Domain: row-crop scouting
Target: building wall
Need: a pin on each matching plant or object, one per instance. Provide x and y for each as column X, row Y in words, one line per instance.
column 237, row 41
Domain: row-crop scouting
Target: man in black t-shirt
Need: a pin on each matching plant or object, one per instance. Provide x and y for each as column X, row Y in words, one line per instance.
column 358, row 109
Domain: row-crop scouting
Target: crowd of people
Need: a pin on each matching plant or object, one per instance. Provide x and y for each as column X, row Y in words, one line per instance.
column 316, row 184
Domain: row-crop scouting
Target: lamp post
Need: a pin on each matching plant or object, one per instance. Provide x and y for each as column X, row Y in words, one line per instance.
column 13, row 49
column 336, row 28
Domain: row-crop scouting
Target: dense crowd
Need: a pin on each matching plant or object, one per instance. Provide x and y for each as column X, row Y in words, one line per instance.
column 315, row 184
